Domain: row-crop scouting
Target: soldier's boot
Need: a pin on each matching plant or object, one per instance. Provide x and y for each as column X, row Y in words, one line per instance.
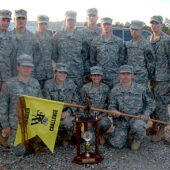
column 3, row 140
column 102, row 140
column 135, row 144
column 152, row 128
column 167, row 135
column 159, row 135
column 66, row 141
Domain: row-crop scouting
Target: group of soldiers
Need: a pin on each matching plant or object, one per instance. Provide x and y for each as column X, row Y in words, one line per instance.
column 89, row 61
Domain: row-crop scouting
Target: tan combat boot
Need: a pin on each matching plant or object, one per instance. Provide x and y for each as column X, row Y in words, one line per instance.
column 102, row 140
column 135, row 144
column 159, row 135
column 3, row 140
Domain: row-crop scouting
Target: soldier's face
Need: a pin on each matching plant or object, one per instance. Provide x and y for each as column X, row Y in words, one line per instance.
column 125, row 77
column 24, row 70
column 156, row 27
column 60, row 76
column 20, row 22
column 106, row 28
column 96, row 78
column 42, row 27
column 92, row 19
column 4, row 23
column 70, row 23
column 136, row 33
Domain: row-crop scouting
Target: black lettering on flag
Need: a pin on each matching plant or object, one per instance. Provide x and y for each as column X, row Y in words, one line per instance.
column 53, row 119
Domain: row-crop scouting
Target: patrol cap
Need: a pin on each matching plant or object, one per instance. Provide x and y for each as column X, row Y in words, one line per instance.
column 25, row 60
column 71, row 15
column 156, row 18
column 126, row 69
column 20, row 13
column 42, row 19
column 136, row 24
column 92, row 11
column 96, row 70
column 5, row 13
column 61, row 67
column 106, row 20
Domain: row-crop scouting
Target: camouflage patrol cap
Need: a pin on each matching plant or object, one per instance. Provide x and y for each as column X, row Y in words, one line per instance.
column 96, row 70
column 20, row 13
column 106, row 20
column 5, row 14
column 156, row 18
column 71, row 15
column 61, row 67
column 137, row 25
column 25, row 60
column 126, row 69
column 92, row 11
column 42, row 19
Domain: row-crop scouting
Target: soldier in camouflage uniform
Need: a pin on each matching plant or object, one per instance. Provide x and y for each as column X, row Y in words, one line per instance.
column 63, row 90
column 90, row 32
column 134, row 99
column 161, row 45
column 98, row 96
column 69, row 48
column 23, row 84
column 140, row 55
column 44, row 69
column 107, row 51
column 21, row 42
column 5, row 18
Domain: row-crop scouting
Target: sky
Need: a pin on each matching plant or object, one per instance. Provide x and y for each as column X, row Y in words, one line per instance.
column 119, row 10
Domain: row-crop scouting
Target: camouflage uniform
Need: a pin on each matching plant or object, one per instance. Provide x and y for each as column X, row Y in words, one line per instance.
column 137, row 100
column 109, row 54
column 16, row 45
column 89, row 34
column 160, row 83
column 70, row 48
column 8, row 106
column 66, row 92
column 44, row 68
column 98, row 97
column 140, row 55
column 3, row 36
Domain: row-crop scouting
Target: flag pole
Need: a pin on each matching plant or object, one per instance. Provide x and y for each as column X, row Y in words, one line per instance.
column 112, row 112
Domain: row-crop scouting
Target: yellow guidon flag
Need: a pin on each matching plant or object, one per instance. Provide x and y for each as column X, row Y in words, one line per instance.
column 41, row 118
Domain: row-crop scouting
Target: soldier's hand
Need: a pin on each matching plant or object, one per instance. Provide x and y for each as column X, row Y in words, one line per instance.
column 6, row 132
column 99, row 116
column 116, row 113
column 64, row 115
column 144, row 117
column 3, row 86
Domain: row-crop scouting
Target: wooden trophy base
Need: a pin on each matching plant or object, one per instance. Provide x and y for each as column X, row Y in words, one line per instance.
column 93, row 158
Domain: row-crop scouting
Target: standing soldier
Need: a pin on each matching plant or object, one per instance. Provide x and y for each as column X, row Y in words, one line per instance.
column 98, row 96
column 161, row 45
column 5, row 18
column 90, row 32
column 69, row 48
column 23, row 84
column 107, row 51
column 140, row 55
column 44, row 69
column 63, row 90
column 134, row 99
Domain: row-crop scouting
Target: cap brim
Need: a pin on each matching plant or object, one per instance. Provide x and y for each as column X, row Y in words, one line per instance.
column 17, row 16
column 27, row 64
column 153, row 20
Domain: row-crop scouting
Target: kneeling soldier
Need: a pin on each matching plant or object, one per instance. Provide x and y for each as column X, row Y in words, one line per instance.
column 63, row 90
column 23, row 84
column 97, row 93
column 130, row 98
